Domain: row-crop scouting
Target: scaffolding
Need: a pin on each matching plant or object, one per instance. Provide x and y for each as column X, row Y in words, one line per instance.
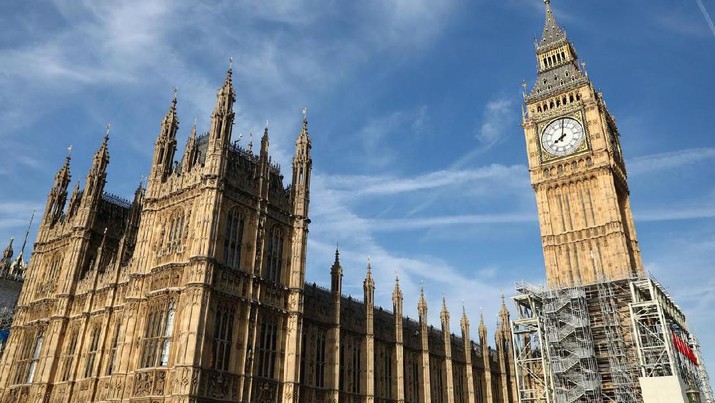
column 703, row 378
column 602, row 342
column 620, row 386
column 530, row 358
column 665, row 346
column 570, row 346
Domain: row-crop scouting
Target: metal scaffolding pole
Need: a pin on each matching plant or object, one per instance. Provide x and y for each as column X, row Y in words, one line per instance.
column 530, row 353
column 611, row 298
column 571, row 348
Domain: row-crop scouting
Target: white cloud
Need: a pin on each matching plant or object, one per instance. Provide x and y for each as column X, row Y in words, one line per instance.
column 676, row 212
column 669, row 160
column 365, row 185
column 497, row 118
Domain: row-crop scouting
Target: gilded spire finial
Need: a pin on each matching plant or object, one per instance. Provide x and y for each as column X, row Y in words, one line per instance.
column 230, row 62
column 69, row 152
column 106, row 131
column 305, row 113
column 176, row 91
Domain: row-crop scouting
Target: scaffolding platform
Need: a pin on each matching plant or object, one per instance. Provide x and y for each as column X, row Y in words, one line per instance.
column 613, row 341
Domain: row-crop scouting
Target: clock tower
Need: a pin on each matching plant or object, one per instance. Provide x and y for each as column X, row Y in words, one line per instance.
column 577, row 171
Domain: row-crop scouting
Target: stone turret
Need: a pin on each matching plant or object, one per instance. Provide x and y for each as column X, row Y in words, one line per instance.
column 6, row 259
column 466, row 339
column 425, row 392
column 369, row 351
column 399, row 368
column 503, row 340
column 165, row 147
column 487, row 359
column 58, row 194
column 447, row 338
column 333, row 368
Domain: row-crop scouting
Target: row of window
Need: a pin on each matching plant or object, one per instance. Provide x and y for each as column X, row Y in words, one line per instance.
column 552, row 60
column 559, row 101
column 233, row 247
column 233, row 244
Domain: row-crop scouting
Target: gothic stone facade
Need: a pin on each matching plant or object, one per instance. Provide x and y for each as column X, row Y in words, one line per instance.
column 195, row 291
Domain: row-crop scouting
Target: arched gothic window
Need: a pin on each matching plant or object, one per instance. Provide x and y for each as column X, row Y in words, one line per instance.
column 55, row 266
column 274, row 256
column 115, row 343
column 320, row 360
column 176, row 229
column 30, row 355
column 156, row 344
column 93, row 347
column 69, row 353
column 35, row 358
column 267, row 346
column 222, row 338
column 233, row 239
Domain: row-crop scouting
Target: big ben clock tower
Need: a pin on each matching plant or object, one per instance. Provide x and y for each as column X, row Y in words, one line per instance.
column 577, row 171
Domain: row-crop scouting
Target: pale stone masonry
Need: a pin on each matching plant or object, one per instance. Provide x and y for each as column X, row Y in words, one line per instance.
column 195, row 291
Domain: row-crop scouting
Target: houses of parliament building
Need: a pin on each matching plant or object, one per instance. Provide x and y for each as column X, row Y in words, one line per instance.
column 195, row 290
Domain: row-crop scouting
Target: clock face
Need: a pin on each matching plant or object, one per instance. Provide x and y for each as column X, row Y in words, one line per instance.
column 562, row 137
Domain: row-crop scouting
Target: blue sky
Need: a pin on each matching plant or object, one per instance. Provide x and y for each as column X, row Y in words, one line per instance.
column 414, row 110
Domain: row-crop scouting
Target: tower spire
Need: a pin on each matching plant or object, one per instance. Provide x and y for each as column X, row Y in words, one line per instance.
column 222, row 120
column 552, row 32
column 97, row 176
column 336, row 274
column 422, row 304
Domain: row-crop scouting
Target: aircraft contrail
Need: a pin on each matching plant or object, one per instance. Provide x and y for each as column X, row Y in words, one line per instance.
column 706, row 15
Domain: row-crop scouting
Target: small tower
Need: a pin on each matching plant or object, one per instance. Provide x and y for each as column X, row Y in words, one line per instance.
column 447, row 338
column 6, row 259
column 503, row 341
column 487, row 359
column 97, row 176
column 399, row 343
column 336, row 276
column 333, row 371
column 221, row 122
column 191, row 152
column 263, row 166
column 466, row 338
column 369, row 351
column 94, row 185
column 425, row 391
column 165, row 146
column 302, row 168
column 58, row 194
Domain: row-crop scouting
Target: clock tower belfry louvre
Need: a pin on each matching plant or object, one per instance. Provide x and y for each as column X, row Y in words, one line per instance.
column 601, row 330
column 577, row 171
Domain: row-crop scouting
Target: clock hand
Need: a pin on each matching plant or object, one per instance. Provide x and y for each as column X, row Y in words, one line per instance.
column 563, row 134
